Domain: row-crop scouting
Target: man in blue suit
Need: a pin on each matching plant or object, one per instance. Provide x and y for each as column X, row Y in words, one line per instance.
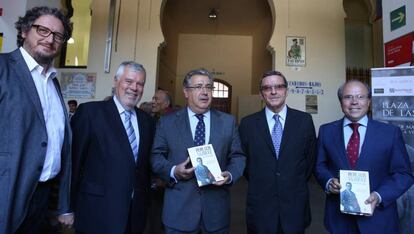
column 380, row 151
column 187, row 207
column 35, row 135
column 111, row 151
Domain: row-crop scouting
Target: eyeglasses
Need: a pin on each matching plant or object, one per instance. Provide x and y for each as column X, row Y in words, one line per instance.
column 349, row 98
column 269, row 88
column 199, row 88
column 45, row 32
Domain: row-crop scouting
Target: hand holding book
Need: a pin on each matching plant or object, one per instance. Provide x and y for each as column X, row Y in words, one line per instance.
column 227, row 178
column 182, row 172
column 373, row 199
column 206, row 167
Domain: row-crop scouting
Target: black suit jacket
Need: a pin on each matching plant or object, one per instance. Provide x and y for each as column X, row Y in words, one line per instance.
column 23, row 143
column 105, row 174
column 277, row 189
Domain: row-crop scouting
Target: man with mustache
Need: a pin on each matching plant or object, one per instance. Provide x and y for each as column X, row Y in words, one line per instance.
column 35, row 135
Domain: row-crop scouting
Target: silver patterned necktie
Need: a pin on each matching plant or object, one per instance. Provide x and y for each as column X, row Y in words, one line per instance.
column 277, row 134
column 131, row 134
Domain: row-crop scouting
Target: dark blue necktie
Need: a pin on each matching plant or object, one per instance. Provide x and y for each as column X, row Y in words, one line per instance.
column 200, row 132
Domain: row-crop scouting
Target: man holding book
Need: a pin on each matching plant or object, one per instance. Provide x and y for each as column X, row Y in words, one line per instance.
column 187, row 207
column 359, row 143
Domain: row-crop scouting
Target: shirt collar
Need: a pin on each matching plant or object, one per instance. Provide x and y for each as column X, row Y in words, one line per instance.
column 192, row 114
column 270, row 114
column 32, row 64
column 363, row 121
column 119, row 106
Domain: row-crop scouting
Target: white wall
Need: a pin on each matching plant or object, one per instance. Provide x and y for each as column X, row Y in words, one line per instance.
column 231, row 55
column 138, row 38
column 11, row 11
column 322, row 23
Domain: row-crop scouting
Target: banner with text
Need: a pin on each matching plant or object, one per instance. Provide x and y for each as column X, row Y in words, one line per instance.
column 393, row 102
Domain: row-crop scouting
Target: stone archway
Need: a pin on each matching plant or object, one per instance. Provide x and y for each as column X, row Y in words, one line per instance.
column 237, row 20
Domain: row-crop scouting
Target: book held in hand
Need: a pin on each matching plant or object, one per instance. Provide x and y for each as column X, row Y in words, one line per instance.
column 207, row 170
column 354, row 191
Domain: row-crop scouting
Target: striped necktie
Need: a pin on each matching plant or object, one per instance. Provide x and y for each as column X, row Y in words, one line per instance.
column 131, row 134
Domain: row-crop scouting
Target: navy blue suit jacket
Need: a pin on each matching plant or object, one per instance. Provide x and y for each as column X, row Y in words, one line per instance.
column 383, row 155
column 104, row 171
column 278, row 189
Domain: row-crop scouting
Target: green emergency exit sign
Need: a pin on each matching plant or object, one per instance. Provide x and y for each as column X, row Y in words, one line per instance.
column 397, row 18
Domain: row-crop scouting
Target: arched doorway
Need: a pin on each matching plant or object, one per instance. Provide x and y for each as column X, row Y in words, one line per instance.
column 230, row 44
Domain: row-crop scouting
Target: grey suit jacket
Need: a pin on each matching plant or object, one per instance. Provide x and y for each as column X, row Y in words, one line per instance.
column 184, row 202
column 23, row 143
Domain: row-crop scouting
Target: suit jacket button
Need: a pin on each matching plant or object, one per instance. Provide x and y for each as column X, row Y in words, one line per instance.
column 40, row 168
column 43, row 144
column 277, row 173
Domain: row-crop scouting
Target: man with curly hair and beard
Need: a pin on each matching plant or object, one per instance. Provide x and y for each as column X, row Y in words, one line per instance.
column 35, row 138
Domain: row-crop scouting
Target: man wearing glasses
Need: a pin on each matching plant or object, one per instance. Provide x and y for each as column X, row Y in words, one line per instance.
column 35, row 138
column 187, row 207
column 280, row 145
column 357, row 142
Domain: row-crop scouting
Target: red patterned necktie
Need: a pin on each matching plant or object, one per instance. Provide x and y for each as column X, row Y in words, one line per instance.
column 352, row 148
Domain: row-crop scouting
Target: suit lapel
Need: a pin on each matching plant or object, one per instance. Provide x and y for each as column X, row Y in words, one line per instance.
column 216, row 123
column 114, row 120
column 25, row 77
column 59, row 92
column 288, row 130
column 262, row 126
column 182, row 125
column 339, row 145
column 367, row 144
column 143, row 134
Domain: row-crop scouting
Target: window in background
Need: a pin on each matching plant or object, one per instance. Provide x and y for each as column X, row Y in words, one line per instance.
column 76, row 51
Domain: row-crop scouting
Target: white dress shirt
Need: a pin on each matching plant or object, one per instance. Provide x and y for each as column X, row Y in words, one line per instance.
column 362, row 129
column 53, row 114
column 194, row 121
column 271, row 121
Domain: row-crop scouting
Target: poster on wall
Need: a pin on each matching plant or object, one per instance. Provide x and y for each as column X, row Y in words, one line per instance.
column 399, row 52
column 78, row 85
column 393, row 99
column 311, row 104
column 295, row 51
